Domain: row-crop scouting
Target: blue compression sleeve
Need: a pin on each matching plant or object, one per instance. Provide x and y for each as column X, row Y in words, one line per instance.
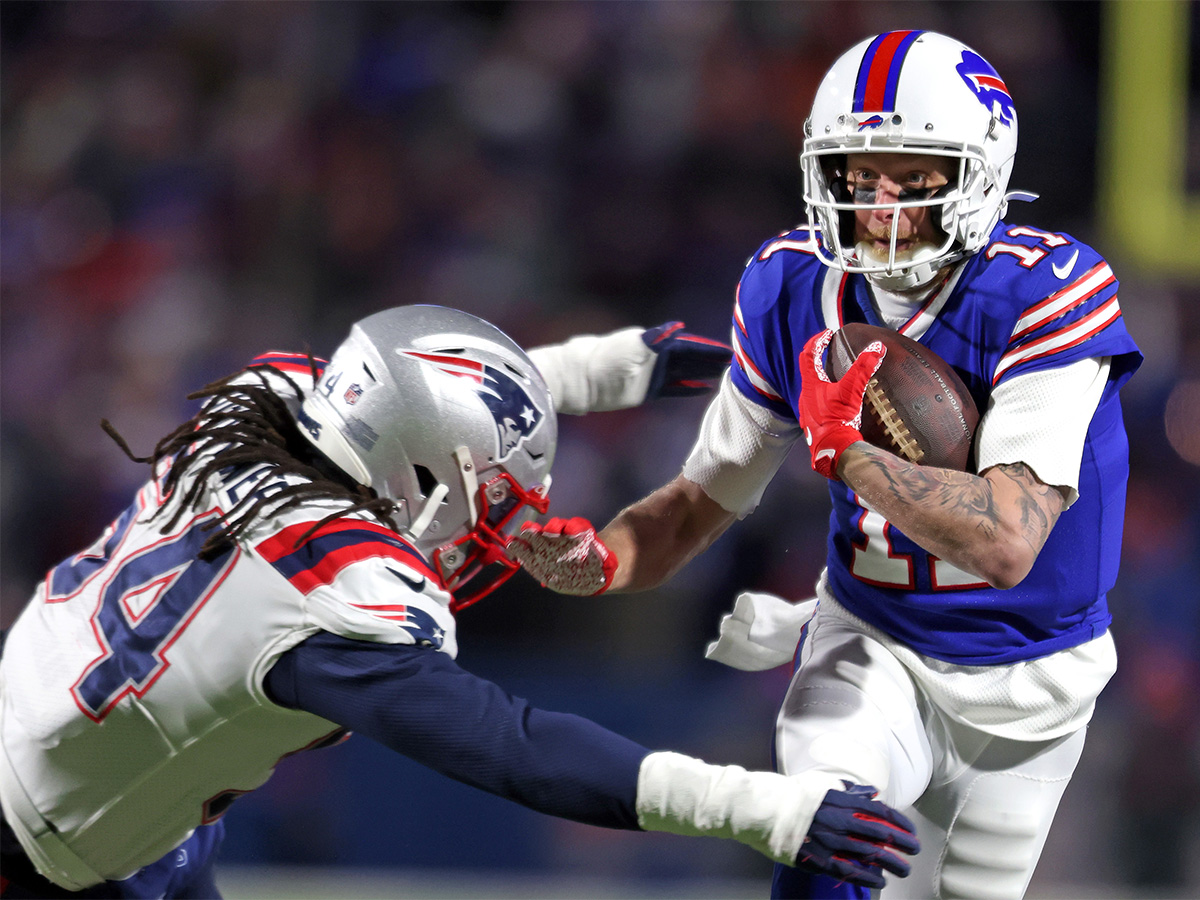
column 421, row 703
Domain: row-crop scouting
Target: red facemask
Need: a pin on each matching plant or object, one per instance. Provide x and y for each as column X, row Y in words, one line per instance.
column 503, row 507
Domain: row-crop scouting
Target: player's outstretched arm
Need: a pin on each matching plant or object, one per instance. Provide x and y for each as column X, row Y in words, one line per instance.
column 814, row 821
column 625, row 368
column 422, row 704
column 642, row 547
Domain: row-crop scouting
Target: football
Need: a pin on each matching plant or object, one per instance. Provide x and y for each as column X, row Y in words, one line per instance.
column 916, row 406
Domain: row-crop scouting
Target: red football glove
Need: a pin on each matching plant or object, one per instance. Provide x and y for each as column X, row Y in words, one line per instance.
column 565, row 555
column 831, row 411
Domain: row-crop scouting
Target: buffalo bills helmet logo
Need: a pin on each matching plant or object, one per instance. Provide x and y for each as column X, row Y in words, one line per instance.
column 978, row 74
column 515, row 414
column 872, row 122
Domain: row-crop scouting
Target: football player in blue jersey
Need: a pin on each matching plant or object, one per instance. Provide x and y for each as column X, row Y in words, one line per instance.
column 291, row 573
column 961, row 636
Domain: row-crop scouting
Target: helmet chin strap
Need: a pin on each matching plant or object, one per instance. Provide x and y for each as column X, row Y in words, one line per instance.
column 428, row 511
column 910, row 275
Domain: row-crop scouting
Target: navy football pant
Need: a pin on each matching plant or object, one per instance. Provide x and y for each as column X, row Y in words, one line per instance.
column 186, row 873
column 793, row 884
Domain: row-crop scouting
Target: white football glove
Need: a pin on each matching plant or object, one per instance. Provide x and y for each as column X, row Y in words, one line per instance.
column 565, row 555
column 813, row 820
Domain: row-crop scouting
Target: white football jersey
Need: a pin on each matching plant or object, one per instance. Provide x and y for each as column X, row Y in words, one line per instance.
column 132, row 707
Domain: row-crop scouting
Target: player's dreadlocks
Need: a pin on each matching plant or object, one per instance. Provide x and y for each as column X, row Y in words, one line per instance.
column 243, row 425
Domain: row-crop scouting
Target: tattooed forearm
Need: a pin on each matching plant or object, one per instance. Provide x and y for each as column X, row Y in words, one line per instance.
column 1002, row 518
column 942, row 488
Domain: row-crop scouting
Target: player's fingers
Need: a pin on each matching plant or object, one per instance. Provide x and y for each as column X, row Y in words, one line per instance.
column 868, row 819
column 863, row 369
column 893, row 862
column 866, row 808
column 868, row 858
column 533, row 542
column 554, row 527
column 661, row 333
column 572, row 527
column 877, row 351
column 705, row 353
column 880, row 830
column 868, row 852
column 856, row 873
column 522, row 551
column 812, row 356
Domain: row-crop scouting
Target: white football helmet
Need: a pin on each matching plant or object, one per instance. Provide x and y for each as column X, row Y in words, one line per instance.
column 912, row 92
column 443, row 413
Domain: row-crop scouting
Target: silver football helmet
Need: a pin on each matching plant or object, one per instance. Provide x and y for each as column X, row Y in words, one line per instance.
column 912, row 92
column 443, row 413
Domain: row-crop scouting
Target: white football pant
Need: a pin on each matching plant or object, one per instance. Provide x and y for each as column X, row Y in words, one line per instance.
column 983, row 804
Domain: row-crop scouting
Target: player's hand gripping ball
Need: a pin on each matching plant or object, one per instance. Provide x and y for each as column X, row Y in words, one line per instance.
column 831, row 411
column 916, row 405
column 565, row 555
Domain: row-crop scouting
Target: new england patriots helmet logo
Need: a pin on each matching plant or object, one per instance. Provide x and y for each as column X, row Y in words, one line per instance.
column 984, row 82
column 513, row 411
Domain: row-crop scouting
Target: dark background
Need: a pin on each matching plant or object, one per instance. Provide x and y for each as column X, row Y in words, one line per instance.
column 187, row 184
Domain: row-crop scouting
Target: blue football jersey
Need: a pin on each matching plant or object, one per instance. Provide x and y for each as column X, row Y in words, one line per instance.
column 1029, row 300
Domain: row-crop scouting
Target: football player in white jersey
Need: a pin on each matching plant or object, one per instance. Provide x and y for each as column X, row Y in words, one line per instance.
column 961, row 634
column 291, row 573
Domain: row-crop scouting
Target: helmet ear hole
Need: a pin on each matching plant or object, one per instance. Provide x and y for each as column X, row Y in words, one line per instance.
column 426, row 480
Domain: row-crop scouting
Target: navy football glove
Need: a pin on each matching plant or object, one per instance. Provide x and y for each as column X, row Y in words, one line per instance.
column 853, row 837
column 686, row 363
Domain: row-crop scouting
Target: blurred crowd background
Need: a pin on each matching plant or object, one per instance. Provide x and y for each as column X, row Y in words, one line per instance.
column 187, row 184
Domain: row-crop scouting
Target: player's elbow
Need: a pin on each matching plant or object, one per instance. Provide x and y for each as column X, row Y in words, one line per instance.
column 1007, row 579
column 1006, row 563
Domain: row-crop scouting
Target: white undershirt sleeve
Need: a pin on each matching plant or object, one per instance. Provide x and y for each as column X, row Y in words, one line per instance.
column 740, row 447
column 596, row 373
column 1041, row 419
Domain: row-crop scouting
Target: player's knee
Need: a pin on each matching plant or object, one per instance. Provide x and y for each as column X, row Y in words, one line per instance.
column 990, row 854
